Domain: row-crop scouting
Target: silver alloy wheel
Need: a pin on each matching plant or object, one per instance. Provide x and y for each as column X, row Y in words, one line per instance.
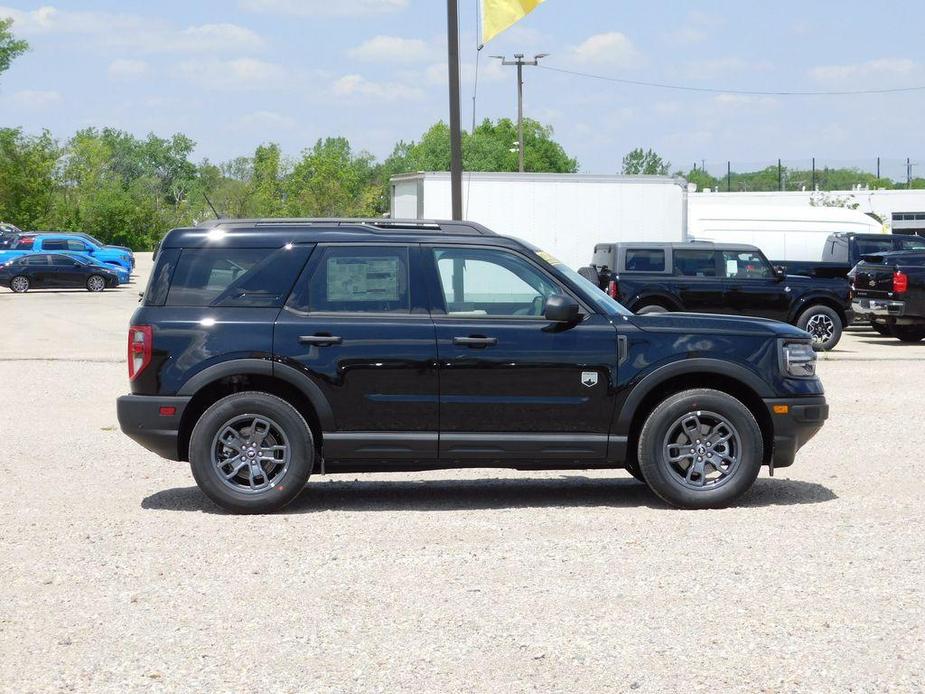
column 96, row 283
column 702, row 450
column 19, row 284
column 250, row 453
column 821, row 327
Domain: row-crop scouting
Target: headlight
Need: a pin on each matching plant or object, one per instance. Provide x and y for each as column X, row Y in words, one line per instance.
column 798, row 360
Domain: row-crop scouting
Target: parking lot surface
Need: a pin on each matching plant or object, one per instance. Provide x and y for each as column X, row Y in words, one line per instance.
column 120, row 575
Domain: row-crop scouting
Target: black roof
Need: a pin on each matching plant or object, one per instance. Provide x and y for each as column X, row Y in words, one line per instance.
column 679, row 246
column 276, row 231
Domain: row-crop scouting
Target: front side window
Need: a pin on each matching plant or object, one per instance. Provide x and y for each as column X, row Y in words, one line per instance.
column 64, row 261
column 912, row 243
column 645, row 260
column 77, row 246
column 358, row 279
column 745, row 265
column 491, row 283
column 695, row 263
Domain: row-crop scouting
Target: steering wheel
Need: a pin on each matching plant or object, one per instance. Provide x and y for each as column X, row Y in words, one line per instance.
column 535, row 309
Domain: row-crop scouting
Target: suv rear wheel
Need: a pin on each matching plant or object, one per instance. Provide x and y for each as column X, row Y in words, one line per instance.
column 700, row 449
column 823, row 324
column 251, row 452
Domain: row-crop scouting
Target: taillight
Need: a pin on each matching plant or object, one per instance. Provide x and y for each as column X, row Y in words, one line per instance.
column 139, row 349
column 613, row 289
column 900, row 282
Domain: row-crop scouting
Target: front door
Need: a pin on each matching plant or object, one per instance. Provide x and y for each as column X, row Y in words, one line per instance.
column 512, row 384
column 357, row 325
column 67, row 271
column 752, row 289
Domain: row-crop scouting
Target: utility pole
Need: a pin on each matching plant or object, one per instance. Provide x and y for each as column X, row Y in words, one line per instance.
column 520, row 62
column 452, row 34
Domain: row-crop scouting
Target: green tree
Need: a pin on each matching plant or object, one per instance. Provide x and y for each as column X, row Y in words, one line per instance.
column 10, row 46
column 645, row 162
column 27, row 177
column 332, row 181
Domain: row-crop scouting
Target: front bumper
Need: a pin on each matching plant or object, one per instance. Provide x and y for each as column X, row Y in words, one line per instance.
column 802, row 420
column 869, row 309
column 141, row 419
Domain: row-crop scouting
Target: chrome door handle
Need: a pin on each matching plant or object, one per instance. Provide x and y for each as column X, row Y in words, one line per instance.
column 475, row 341
column 320, row 340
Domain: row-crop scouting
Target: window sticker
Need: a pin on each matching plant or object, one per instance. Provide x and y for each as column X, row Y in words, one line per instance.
column 363, row 279
column 552, row 260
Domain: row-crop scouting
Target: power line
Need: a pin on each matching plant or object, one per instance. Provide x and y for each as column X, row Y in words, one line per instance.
column 739, row 92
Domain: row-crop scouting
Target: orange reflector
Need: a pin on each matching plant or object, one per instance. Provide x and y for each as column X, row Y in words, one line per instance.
column 781, row 409
column 168, row 411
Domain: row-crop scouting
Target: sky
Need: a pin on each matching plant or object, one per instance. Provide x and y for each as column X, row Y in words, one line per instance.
column 232, row 74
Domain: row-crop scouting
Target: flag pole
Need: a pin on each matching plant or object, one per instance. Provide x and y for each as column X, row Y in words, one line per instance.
column 452, row 29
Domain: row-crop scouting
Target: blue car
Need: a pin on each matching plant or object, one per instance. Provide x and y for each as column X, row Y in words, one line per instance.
column 86, row 237
column 67, row 243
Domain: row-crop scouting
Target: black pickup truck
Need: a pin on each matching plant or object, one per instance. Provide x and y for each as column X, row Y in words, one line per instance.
column 888, row 289
column 706, row 277
column 842, row 252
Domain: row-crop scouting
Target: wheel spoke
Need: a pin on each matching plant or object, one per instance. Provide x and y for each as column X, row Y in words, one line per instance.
column 691, row 427
column 684, row 452
column 235, row 471
column 259, row 429
column 232, row 438
column 696, row 468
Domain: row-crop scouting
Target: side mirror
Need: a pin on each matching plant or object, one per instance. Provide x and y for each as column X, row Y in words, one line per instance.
column 76, row 264
column 779, row 273
column 561, row 309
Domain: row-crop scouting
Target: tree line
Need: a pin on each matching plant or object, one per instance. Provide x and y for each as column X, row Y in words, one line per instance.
column 130, row 190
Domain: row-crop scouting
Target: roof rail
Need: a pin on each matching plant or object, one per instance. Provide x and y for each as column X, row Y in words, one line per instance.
column 373, row 224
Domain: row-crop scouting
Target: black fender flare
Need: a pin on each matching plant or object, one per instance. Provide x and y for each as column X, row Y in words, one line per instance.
column 684, row 367
column 265, row 367
column 817, row 297
column 672, row 302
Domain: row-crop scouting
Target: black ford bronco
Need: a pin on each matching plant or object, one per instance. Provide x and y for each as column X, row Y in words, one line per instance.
column 265, row 351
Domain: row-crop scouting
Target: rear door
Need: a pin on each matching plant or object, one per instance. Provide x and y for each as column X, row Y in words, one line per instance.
column 357, row 325
column 752, row 289
column 40, row 271
column 700, row 285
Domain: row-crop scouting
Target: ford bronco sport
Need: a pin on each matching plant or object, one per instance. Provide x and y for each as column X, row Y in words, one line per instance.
column 265, row 351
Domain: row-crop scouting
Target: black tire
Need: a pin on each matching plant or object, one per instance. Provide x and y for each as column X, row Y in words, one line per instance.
column 881, row 328
column 96, row 283
column 651, row 308
column 20, row 284
column 667, row 479
column 824, row 324
column 908, row 333
column 633, row 469
column 290, row 481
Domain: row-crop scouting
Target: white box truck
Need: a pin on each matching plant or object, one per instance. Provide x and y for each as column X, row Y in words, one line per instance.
column 564, row 214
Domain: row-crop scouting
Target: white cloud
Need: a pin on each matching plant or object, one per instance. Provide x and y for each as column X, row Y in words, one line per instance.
column 357, row 85
column 35, row 99
column 612, row 48
column 240, row 73
column 879, row 68
column 698, row 26
column 126, row 69
column 314, row 8
column 391, row 49
column 134, row 32
column 438, row 73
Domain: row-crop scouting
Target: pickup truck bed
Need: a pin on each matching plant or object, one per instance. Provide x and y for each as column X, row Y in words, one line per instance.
column 888, row 289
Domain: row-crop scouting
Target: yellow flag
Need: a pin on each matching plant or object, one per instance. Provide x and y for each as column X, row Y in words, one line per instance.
column 498, row 15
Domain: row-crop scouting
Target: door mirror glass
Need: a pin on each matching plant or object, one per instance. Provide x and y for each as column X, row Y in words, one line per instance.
column 561, row 309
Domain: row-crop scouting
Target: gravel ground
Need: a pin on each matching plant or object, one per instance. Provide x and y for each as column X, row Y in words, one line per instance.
column 119, row 575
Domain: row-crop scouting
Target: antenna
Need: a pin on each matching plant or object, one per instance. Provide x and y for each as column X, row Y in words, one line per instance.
column 217, row 215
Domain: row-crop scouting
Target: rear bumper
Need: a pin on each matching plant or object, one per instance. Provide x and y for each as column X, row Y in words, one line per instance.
column 795, row 427
column 869, row 309
column 141, row 420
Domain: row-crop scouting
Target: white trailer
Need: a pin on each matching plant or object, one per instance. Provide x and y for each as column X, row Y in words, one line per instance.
column 782, row 231
column 564, row 214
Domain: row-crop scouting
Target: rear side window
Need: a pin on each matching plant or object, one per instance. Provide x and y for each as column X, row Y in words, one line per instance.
column 36, row 260
column 695, row 263
column 645, row 260
column 242, row 277
column 54, row 245
column 869, row 246
column 357, row 279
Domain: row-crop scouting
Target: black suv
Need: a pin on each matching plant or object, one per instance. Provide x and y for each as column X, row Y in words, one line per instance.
column 708, row 277
column 264, row 351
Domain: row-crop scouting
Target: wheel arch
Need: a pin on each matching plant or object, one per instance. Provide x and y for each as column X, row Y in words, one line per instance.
column 660, row 298
column 281, row 380
column 676, row 377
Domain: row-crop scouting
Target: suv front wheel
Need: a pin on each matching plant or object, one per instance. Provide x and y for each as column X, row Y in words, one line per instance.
column 251, row 452
column 700, row 449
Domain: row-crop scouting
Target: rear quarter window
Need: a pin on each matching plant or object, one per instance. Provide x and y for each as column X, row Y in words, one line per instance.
column 235, row 277
column 645, row 260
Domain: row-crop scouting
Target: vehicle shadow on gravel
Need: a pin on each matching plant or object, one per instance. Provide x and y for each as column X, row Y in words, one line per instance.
column 460, row 495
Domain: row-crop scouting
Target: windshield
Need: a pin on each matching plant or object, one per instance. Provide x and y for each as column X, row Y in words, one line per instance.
column 602, row 302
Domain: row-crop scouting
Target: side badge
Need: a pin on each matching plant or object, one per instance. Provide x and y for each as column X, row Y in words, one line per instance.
column 589, row 378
